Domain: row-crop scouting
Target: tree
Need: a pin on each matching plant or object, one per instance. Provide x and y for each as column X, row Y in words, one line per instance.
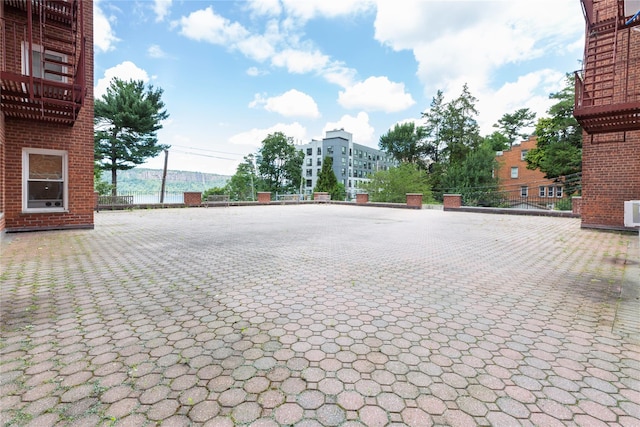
column 558, row 152
column 280, row 164
column 497, row 141
column 405, row 142
column 473, row 178
column 243, row 184
column 460, row 131
column 511, row 124
column 434, row 119
column 393, row 184
column 327, row 181
column 127, row 119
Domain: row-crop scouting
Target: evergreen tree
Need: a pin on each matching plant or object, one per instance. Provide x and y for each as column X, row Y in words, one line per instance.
column 511, row 124
column 327, row 181
column 127, row 119
column 405, row 142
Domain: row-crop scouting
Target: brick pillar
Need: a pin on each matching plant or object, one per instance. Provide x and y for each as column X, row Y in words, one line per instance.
column 452, row 201
column 193, row 198
column 576, row 205
column 264, row 197
column 414, row 200
column 362, row 198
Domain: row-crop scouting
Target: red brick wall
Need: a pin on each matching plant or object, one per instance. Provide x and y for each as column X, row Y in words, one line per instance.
column 610, row 175
column 77, row 140
column 611, row 161
column 533, row 179
column 2, row 171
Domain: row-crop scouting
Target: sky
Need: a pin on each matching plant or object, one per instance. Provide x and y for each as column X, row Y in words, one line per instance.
column 233, row 72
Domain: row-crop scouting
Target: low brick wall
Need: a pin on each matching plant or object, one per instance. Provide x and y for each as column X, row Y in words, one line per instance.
column 321, row 196
column 452, row 201
column 264, row 197
column 193, row 198
column 414, row 200
column 362, row 198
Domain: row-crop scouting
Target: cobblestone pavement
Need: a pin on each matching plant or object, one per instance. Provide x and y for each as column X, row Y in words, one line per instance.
column 317, row 315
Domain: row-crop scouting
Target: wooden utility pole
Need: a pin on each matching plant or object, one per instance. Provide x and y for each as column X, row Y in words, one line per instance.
column 164, row 175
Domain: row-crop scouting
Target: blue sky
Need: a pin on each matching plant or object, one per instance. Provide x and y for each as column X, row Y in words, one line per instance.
column 234, row 71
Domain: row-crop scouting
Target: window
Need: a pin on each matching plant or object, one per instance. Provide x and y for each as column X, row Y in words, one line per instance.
column 514, row 172
column 319, row 162
column 309, row 151
column 309, row 161
column 309, row 172
column 524, row 191
column 330, row 149
column 318, row 172
column 319, row 151
column 523, row 154
column 550, row 191
column 344, row 160
column 344, row 171
column 542, row 191
column 309, row 184
column 558, row 191
column 52, row 62
column 44, row 183
column 344, row 150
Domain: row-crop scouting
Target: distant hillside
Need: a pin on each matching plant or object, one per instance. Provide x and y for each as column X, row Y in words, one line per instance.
column 150, row 180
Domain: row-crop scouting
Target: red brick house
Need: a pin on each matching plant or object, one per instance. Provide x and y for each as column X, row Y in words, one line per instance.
column 46, row 118
column 608, row 109
column 518, row 181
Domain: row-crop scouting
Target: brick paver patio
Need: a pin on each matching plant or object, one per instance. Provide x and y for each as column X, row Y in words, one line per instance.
column 319, row 315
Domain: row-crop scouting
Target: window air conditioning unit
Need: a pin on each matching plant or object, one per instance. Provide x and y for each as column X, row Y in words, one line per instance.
column 632, row 213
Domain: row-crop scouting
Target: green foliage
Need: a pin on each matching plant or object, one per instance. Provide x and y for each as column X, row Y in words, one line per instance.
column 405, row 142
column 126, row 122
column 497, row 141
column 565, row 204
column 510, row 124
column 102, row 187
column 559, row 149
column 393, row 185
column 244, row 183
column 327, row 181
column 280, row 164
column 215, row 191
column 472, row 176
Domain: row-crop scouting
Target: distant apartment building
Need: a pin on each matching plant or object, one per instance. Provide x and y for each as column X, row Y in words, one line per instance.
column 607, row 106
column 518, row 181
column 353, row 163
column 46, row 114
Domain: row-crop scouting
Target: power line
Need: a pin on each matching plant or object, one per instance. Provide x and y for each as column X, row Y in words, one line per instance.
column 206, row 149
column 204, row 155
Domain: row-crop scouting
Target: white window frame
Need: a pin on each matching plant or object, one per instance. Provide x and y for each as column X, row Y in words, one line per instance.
column 25, row 180
column 27, row 56
column 514, row 172
column 559, row 192
column 550, row 191
column 542, row 191
column 523, row 154
column 524, row 191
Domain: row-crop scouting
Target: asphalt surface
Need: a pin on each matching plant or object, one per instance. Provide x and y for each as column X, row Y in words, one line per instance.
column 320, row 315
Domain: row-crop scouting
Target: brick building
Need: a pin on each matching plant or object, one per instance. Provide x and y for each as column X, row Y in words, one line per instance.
column 608, row 109
column 518, row 181
column 46, row 118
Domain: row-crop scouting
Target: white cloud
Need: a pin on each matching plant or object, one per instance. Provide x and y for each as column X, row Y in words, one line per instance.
column 104, row 38
column 255, row 72
column 309, row 9
column 265, row 7
column 253, row 138
column 300, row 61
column 126, row 70
column 292, row 103
column 475, row 38
column 206, row 25
column 376, row 94
column 358, row 126
column 156, row 51
column 528, row 91
column 161, row 9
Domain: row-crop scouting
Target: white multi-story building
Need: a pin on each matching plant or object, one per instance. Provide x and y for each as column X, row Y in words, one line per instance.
column 352, row 163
